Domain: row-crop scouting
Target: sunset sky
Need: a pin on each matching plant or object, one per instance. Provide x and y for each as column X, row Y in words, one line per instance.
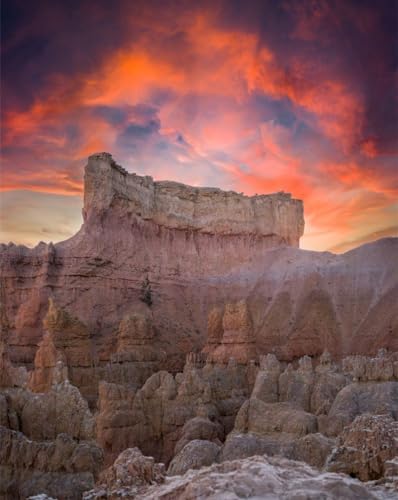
column 289, row 95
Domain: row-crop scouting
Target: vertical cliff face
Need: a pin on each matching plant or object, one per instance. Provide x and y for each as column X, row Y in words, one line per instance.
column 200, row 249
column 176, row 206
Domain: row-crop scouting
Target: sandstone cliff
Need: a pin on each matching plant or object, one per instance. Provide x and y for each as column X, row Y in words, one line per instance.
column 201, row 249
column 185, row 208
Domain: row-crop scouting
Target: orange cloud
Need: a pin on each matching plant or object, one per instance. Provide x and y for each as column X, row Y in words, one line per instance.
column 217, row 62
column 337, row 108
column 45, row 181
column 351, row 175
column 220, row 69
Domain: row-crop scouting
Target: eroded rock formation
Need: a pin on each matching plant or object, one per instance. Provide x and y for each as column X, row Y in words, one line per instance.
column 138, row 353
column 63, row 468
column 230, row 334
column 128, row 476
column 185, row 323
column 255, row 477
column 201, row 249
column 156, row 417
column 365, row 446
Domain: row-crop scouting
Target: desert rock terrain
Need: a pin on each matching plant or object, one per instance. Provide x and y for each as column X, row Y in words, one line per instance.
column 181, row 345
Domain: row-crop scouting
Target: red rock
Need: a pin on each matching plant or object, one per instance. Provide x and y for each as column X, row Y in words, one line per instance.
column 201, row 249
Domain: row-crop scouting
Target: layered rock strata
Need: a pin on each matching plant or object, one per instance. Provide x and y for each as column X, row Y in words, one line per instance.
column 177, row 206
column 201, row 249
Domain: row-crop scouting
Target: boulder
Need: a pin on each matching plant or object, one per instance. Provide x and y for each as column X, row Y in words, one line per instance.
column 196, row 454
column 264, row 477
column 359, row 398
column 267, row 418
column 127, row 476
column 365, row 446
column 199, row 428
column 313, row 449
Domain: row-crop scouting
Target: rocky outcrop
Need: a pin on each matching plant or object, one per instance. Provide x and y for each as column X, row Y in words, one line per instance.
column 47, row 442
column 357, row 399
column 168, row 411
column 270, row 428
column 73, row 341
column 297, row 413
column 127, row 477
column 177, row 206
column 266, row 387
column 255, row 477
column 285, row 413
column 274, row 418
column 295, row 386
column 44, row 416
column 214, row 413
column 196, row 454
column 50, row 366
column 380, row 368
column 365, row 446
column 62, row 468
column 138, row 354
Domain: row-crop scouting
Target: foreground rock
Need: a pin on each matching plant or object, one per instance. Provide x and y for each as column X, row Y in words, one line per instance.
column 127, row 477
column 365, row 447
column 255, row 477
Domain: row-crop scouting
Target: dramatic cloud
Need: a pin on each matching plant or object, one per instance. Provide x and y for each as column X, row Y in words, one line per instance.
column 258, row 97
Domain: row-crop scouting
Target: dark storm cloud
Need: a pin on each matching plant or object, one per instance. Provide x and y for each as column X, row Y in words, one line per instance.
column 135, row 133
column 356, row 39
column 45, row 38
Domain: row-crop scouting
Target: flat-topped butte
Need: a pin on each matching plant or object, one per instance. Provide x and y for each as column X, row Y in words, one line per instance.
column 108, row 186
